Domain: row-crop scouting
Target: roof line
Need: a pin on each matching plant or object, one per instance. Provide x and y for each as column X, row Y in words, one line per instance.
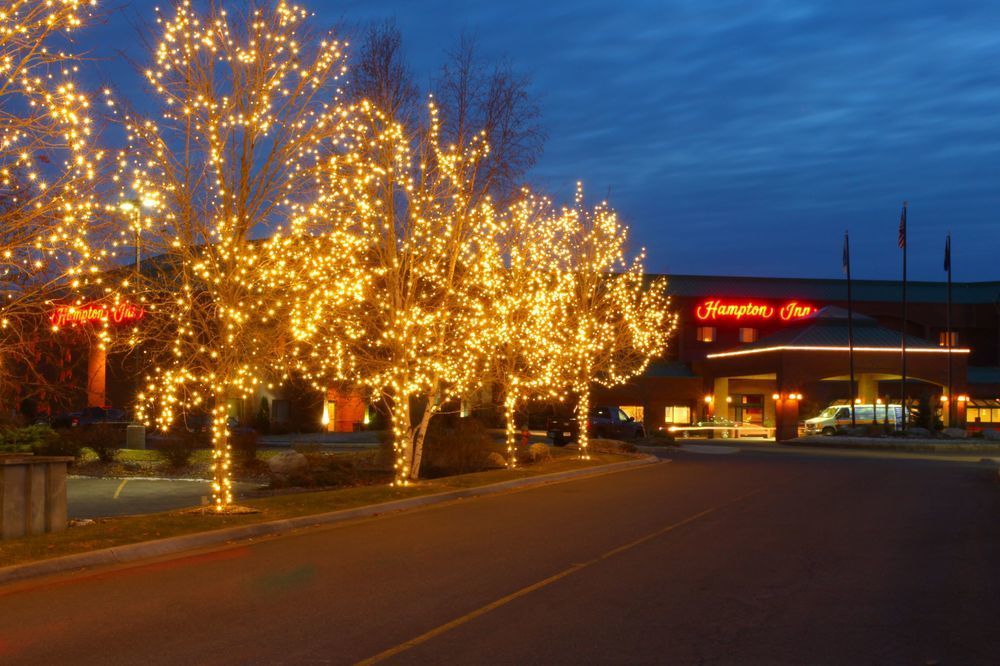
column 897, row 350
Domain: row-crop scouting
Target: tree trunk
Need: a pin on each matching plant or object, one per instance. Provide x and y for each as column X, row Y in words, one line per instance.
column 510, row 408
column 418, row 440
column 583, row 420
column 402, row 437
column 222, row 458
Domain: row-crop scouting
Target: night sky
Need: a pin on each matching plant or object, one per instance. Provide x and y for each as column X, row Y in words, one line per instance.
column 742, row 138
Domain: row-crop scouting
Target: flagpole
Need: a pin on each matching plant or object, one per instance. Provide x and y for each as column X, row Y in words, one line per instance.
column 902, row 382
column 850, row 326
column 947, row 265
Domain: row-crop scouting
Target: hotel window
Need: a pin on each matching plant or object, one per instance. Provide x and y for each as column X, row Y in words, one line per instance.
column 677, row 414
column 943, row 338
column 748, row 335
column 706, row 334
column 982, row 415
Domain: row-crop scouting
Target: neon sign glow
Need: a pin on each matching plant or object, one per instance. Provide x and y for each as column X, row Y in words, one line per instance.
column 716, row 309
column 115, row 313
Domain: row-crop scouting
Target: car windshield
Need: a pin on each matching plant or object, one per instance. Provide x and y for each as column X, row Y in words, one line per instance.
column 828, row 413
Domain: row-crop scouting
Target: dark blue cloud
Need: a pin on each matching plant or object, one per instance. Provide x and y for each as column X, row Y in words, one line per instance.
column 743, row 138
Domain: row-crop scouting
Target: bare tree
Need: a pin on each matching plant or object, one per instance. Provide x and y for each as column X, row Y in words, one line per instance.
column 490, row 98
column 380, row 74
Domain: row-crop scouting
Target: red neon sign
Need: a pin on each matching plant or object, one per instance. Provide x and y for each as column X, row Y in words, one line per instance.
column 716, row 308
column 115, row 313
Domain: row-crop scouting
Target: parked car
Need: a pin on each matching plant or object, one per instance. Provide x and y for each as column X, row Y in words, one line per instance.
column 603, row 422
column 90, row 416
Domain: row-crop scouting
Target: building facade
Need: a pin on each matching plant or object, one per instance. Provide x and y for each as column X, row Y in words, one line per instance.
column 773, row 351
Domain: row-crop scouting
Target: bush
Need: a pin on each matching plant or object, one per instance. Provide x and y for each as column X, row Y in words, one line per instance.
column 455, row 446
column 177, row 450
column 539, row 452
column 244, row 444
column 34, row 438
column 104, row 440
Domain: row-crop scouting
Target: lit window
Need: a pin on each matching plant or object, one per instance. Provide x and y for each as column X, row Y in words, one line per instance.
column 634, row 411
column 748, row 335
column 972, row 414
column 706, row 334
column 943, row 338
column 677, row 414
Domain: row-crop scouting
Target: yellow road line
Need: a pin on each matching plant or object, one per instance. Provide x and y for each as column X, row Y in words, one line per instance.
column 120, row 486
column 468, row 617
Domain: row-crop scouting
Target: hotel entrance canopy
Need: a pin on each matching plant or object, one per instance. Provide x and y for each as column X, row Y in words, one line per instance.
column 817, row 348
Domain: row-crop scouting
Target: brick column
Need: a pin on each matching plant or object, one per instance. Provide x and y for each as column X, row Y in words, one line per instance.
column 97, row 366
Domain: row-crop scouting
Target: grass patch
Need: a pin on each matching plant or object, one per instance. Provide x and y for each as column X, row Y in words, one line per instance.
column 111, row 532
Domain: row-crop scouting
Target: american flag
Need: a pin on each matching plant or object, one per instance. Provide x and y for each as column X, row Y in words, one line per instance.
column 902, row 228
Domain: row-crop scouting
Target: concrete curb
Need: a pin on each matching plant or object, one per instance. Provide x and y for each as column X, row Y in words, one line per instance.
column 160, row 547
column 890, row 444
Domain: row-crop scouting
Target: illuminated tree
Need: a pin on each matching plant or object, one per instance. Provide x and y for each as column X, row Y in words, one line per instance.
column 528, row 304
column 407, row 338
column 422, row 193
column 249, row 115
column 617, row 324
column 47, row 175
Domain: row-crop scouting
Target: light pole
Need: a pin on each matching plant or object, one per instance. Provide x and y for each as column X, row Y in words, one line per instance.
column 133, row 208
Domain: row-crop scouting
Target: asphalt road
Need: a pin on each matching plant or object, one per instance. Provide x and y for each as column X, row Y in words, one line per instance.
column 717, row 558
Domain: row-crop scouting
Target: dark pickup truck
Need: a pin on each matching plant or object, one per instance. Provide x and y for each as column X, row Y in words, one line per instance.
column 605, row 422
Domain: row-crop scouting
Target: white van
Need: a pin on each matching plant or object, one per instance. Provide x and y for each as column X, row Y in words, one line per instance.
column 838, row 417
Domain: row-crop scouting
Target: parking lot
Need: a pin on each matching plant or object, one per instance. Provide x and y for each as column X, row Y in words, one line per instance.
column 100, row 498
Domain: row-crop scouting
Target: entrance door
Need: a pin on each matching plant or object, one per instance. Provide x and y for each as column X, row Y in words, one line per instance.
column 750, row 409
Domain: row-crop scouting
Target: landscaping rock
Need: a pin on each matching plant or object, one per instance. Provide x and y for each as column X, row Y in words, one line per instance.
column 539, row 452
column 287, row 463
column 495, row 460
column 955, row 433
column 991, row 434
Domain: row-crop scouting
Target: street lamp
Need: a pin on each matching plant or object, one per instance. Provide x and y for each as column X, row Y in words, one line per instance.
column 132, row 208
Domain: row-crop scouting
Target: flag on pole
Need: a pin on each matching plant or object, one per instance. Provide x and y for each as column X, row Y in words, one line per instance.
column 847, row 256
column 947, row 253
column 902, row 228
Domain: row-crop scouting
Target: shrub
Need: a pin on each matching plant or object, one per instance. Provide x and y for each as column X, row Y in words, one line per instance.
column 177, row 450
column 104, row 440
column 539, row 452
column 455, row 446
column 28, row 438
column 495, row 460
column 244, row 444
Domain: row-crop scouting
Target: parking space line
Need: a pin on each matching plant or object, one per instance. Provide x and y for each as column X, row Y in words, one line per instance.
column 119, row 490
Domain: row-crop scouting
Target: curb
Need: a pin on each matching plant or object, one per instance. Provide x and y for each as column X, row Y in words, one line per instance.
column 911, row 446
column 171, row 545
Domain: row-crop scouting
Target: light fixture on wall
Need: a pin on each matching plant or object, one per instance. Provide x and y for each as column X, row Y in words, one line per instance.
column 325, row 418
